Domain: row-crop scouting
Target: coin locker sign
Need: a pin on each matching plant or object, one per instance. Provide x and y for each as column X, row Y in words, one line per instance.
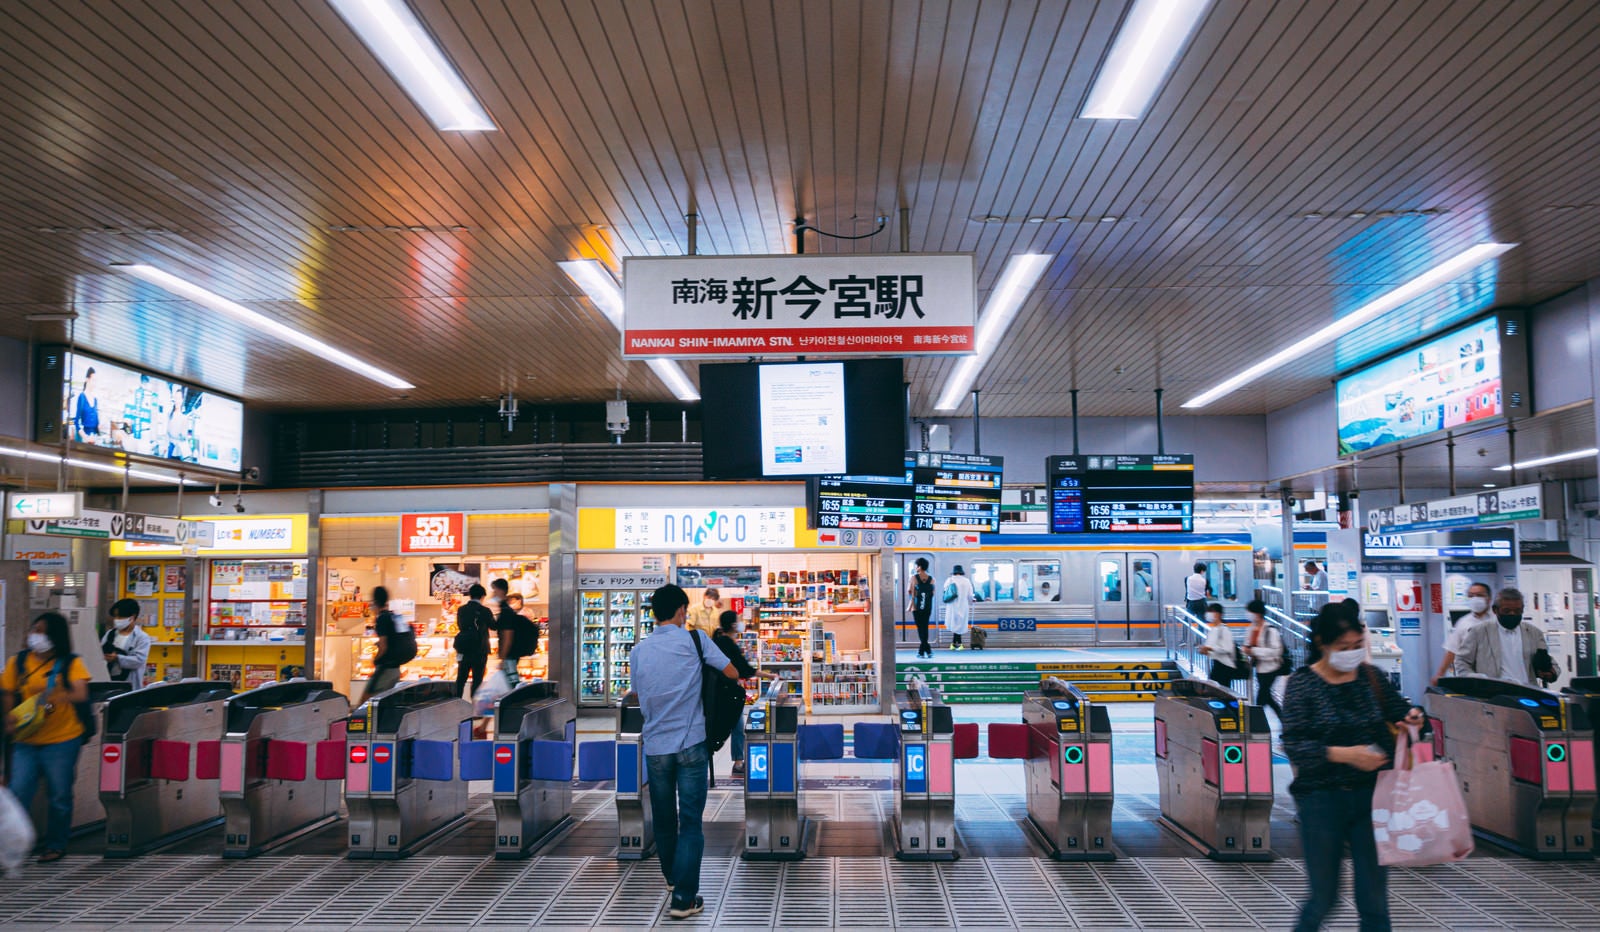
column 706, row 306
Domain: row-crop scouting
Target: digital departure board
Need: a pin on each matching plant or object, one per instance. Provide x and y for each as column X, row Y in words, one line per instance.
column 1117, row 492
column 956, row 492
column 863, row 502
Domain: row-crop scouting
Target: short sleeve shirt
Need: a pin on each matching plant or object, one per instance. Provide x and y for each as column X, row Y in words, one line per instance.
column 666, row 675
column 61, row 724
column 1457, row 638
column 1194, row 586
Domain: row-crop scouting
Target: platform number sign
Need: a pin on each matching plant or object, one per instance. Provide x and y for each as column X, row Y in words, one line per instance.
column 916, row 768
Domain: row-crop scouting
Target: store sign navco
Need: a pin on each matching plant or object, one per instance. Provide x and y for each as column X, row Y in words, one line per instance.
column 694, row 529
column 841, row 305
column 1495, row 506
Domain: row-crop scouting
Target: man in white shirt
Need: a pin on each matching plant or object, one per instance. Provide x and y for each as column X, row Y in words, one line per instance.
column 1316, row 577
column 1478, row 602
column 1195, row 590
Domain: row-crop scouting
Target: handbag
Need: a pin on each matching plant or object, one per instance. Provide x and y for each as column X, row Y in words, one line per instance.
column 1419, row 816
column 29, row 715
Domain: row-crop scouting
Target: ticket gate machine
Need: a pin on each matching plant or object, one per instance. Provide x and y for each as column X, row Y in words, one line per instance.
column 86, row 809
column 1525, row 758
column 1214, row 762
column 925, row 776
column 1585, row 691
column 400, row 768
column 636, row 839
column 281, row 768
column 774, row 826
column 1068, row 772
column 534, row 731
column 150, row 737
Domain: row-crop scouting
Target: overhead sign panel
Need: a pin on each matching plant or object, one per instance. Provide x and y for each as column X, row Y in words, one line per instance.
column 36, row 506
column 1491, row 506
column 956, row 492
column 841, row 305
column 1117, row 493
column 437, row 534
column 97, row 525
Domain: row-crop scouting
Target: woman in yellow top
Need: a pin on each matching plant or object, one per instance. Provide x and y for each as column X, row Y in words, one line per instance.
column 50, row 752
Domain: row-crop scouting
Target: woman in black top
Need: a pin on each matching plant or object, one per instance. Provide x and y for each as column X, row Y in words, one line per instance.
column 1336, row 730
column 921, row 593
column 727, row 638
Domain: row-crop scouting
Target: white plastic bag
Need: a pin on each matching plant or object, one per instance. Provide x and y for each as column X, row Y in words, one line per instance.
column 493, row 688
column 16, row 832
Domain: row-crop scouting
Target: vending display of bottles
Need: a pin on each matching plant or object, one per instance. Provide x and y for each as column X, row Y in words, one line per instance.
column 611, row 621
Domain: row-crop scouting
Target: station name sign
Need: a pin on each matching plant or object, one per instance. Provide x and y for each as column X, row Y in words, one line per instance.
column 857, row 305
column 1492, row 506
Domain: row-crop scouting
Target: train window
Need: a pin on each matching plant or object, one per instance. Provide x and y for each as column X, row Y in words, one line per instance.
column 1143, row 584
column 1111, row 580
column 1039, row 581
column 994, row 581
column 1223, row 579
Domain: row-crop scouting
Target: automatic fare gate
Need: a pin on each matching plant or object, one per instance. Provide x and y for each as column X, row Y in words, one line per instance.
column 534, row 731
column 1214, row 760
column 774, row 825
column 1068, row 770
column 282, row 766
column 925, row 788
column 1585, row 691
column 400, row 776
column 150, row 737
column 1525, row 758
column 86, row 809
column 636, row 837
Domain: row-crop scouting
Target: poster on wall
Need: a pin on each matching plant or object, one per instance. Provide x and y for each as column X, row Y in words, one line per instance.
column 177, row 579
column 454, row 579
column 172, row 613
column 107, row 405
column 142, row 579
column 231, row 673
column 719, row 577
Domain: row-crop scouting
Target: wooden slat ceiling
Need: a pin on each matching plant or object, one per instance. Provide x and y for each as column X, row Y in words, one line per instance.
column 230, row 142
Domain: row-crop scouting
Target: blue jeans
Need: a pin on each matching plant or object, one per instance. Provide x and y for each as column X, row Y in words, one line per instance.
column 677, row 801
column 736, row 742
column 58, row 765
column 1328, row 820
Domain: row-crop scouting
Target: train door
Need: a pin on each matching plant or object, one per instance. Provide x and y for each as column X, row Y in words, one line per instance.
column 1127, row 598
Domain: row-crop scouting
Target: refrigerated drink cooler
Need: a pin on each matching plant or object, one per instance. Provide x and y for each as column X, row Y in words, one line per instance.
column 611, row 622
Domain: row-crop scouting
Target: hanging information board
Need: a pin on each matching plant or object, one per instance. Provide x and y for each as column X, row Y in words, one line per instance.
column 1116, row 493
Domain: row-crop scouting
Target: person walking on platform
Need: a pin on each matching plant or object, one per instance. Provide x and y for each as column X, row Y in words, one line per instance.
column 473, row 623
column 727, row 637
column 1220, row 647
column 667, row 676
column 397, row 646
column 1264, row 647
column 39, row 690
column 920, row 594
column 1337, row 715
column 125, row 648
column 958, row 598
column 1196, row 590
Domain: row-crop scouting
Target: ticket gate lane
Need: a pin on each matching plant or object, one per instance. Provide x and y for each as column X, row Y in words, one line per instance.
column 635, row 827
column 924, row 815
column 158, row 764
column 1068, row 773
column 87, row 812
column 1214, row 765
column 535, row 730
column 775, row 827
column 401, row 786
column 1524, row 757
column 281, row 766
column 1586, row 692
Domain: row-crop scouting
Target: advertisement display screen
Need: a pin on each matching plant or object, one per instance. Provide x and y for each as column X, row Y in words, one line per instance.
column 802, row 419
column 104, row 404
column 1116, row 493
column 1445, row 383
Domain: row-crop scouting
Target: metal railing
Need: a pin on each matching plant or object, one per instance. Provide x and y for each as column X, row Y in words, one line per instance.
column 1296, row 638
column 1302, row 604
column 1181, row 635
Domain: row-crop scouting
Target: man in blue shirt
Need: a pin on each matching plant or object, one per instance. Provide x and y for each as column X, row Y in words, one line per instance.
column 667, row 676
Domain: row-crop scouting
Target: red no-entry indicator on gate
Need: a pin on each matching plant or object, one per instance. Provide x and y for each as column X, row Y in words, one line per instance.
column 502, row 754
column 112, row 753
column 358, row 754
column 380, row 754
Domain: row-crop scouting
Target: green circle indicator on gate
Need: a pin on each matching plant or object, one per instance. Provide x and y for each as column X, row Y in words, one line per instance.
column 1074, row 754
column 1232, row 754
column 1556, row 752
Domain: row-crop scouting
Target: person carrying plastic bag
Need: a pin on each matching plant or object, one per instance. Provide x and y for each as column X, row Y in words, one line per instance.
column 1419, row 816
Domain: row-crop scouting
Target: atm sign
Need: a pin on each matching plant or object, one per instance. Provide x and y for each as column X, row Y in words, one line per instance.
column 112, row 753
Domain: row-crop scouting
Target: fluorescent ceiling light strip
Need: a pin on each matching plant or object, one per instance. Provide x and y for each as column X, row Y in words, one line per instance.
column 1017, row 281
column 1438, row 275
column 591, row 275
column 185, row 289
column 1142, row 55
column 395, row 36
column 1548, row 460
column 40, row 456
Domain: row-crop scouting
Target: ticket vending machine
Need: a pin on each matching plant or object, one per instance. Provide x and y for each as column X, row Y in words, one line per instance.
column 1068, row 772
column 774, row 826
column 925, row 785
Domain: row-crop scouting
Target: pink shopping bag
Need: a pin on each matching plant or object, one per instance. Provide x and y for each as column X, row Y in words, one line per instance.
column 1419, row 816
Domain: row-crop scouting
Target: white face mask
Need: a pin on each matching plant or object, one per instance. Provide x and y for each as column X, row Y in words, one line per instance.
column 1346, row 661
column 122, row 624
column 739, row 628
column 1478, row 604
column 39, row 643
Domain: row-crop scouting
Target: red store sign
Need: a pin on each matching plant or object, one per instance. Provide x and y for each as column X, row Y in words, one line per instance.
column 438, row 534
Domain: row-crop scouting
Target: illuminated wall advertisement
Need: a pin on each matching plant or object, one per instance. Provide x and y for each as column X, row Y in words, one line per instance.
column 104, row 404
column 1466, row 376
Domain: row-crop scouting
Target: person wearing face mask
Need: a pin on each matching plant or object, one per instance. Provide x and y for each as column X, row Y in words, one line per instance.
column 1337, row 714
column 729, row 627
column 704, row 618
column 45, row 744
column 125, row 647
column 1511, row 650
column 1220, row 647
column 1478, row 602
column 1264, row 646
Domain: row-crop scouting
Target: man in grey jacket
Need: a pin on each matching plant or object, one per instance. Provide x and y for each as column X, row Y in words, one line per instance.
column 126, row 648
column 1506, row 651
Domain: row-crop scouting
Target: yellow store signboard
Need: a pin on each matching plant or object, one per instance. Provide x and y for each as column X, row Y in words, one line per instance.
column 253, row 536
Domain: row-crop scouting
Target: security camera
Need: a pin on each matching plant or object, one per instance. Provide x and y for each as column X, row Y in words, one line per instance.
column 253, row 474
column 215, row 500
column 239, row 507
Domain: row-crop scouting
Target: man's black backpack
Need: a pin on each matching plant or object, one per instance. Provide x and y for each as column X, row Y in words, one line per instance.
column 85, row 709
column 722, row 699
column 402, row 645
column 524, row 636
column 472, row 629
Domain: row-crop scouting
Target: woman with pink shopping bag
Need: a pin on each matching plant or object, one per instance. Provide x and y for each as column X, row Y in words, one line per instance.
column 1337, row 717
column 1419, row 816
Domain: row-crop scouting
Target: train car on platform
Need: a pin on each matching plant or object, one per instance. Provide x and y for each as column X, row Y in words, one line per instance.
column 1083, row 590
